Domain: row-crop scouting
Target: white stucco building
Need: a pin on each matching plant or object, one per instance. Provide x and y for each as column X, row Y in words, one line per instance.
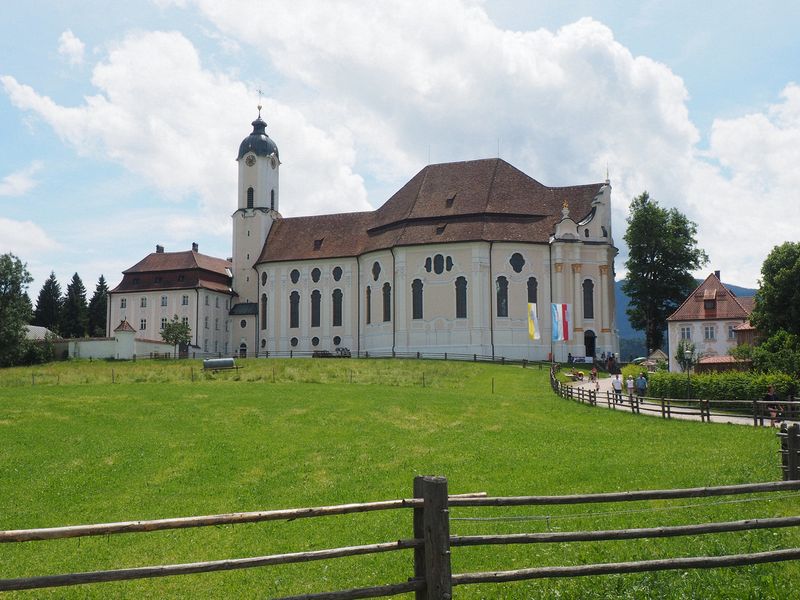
column 709, row 319
column 449, row 263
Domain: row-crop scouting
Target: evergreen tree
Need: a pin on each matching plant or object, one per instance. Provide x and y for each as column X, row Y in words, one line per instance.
column 75, row 312
column 48, row 305
column 662, row 250
column 14, row 310
column 97, row 309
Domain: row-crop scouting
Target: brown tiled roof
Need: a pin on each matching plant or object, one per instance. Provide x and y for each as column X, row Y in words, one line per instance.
column 746, row 326
column 124, row 326
column 487, row 200
column 719, row 360
column 728, row 305
column 179, row 261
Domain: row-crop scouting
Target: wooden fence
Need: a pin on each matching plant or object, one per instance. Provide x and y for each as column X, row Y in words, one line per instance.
column 432, row 543
column 760, row 412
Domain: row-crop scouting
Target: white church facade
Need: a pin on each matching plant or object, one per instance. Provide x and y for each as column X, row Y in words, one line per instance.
column 450, row 263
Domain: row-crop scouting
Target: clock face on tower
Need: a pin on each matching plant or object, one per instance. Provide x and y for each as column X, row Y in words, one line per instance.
column 250, row 160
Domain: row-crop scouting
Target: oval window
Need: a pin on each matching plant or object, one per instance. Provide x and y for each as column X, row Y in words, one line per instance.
column 517, row 262
column 315, row 341
column 293, row 342
column 376, row 270
column 337, row 273
column 294, row 275
column 243, row 323
column 438, row 264
column 337, row 340
column 315, row 274
column 263, row 279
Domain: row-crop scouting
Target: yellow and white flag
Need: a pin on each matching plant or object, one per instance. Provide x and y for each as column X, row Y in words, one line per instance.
column 533, row 322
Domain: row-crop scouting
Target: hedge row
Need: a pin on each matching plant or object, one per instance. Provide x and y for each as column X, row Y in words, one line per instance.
column 730, row 385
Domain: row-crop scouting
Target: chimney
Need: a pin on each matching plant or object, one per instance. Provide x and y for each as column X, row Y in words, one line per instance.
column 194, row 246
column 159, row 249
column 716, row 273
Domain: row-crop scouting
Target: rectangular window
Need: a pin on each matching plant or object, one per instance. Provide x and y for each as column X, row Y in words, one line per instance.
column 163, row 322
column 708, row 332
column 226, row 327
column 142, row 324
column 686, row 333
column 216, row 324
column 185, row 300
column 216, row 346
column 206, row 299
column 185, row 320
column 163, row 300
column 216, row 301
column 143, row 302
column 123, row 302
column 205, row 322
column 731, row 332
column 205, row 345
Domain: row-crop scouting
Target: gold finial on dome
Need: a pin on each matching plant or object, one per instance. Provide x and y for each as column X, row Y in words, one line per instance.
column 565, row 204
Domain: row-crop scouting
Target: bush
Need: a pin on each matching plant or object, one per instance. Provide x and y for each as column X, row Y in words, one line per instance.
column 730, row 385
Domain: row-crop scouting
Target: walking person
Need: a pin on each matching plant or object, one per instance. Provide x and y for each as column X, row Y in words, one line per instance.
column 641, row 385
column 616, row 384
column 774, row 409
column 629, row 387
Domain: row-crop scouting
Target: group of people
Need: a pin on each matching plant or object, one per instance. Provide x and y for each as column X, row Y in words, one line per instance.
column 639, row 385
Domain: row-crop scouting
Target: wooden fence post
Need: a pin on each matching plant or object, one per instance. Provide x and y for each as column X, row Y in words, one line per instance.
column 792, row 447
column 432, row 523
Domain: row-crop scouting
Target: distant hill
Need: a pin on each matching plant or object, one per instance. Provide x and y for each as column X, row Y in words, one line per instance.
column 631, row 340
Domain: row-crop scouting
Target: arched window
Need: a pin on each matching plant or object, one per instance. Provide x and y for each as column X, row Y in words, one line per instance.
column 368, row 304
column 438, row 264
column 243, row 350
column 461, row 298
column 294, row 309
column 272, row 199
column 588, row 299
column 337, row 308
column 533, row 290
column 263, row 311
column 316, row 298
column 501, row 286
column 416, row 299
column 387, row 302
column 249, row 197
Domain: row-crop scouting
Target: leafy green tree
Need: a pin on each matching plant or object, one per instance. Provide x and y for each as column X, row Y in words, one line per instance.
column 779, row 353
column 778, row 297
column 48, row 304
column 14, row 308
column 97, row 309
column 74, row 312
column 662, row 250
column 685, row 363
column 176, row 332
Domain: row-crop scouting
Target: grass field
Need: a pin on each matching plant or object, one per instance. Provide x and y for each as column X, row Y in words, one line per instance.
column 75, row 448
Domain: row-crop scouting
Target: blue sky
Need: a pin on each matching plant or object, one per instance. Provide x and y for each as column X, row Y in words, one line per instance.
column 120, row 121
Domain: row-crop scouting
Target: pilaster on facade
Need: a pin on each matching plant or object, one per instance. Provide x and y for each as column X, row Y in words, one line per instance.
column 577, row 303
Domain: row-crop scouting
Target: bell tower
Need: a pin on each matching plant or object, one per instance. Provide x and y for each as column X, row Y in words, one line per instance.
column 257, row 209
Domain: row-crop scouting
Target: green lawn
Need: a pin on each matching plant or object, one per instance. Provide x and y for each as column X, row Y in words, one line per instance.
column 156, row 444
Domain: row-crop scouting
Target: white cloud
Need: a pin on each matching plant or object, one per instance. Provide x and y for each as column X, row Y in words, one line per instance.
column 24, row 238
column 161, row 115
column 20, row 182
column 71, row 48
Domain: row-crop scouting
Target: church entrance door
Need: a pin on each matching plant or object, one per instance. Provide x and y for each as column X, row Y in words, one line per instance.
column 589, row 342
column 243, row 350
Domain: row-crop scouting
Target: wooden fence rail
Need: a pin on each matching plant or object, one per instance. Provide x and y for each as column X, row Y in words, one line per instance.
column 432, row 542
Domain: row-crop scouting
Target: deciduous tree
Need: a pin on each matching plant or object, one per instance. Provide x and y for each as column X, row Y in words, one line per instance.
column 14, row 308
column 176, row 332
column 778, row 298
column 662, row 252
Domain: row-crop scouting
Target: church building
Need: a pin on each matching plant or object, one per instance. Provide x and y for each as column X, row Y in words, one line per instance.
column 467, row 258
